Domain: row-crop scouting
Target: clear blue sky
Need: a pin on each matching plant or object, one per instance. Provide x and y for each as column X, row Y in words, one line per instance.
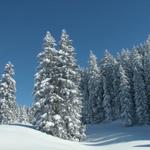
column 92, row 24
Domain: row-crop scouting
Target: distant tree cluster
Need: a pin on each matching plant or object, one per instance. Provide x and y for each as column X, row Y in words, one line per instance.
column 118, row 88
column 23, row 114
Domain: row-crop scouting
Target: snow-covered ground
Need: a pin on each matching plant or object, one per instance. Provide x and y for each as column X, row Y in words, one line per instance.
column 99, row 137
column 116, row 137
column 22, row 138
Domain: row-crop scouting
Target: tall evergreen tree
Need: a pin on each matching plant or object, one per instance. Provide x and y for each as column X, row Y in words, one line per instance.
column 95, row 91
column 85, row 92
column 108, row 78
column 139, row 89
column 127, row 106
column 146, row 63
column 46, row 107
column 69, row 91
column 107, row 101
column 116, row 105
column 8, row 96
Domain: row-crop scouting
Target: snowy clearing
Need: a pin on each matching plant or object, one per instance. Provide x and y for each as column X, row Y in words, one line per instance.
column 110, row 136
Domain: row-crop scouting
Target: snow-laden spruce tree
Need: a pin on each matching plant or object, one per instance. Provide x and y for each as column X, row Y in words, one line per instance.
column 108, row 78
column 127, row 106
column 116, row 100
column 141, row 102
column 95, row 91
column 47, row 103
column 85, row 93
column 8, row 96
column 146, row 51
column 107, row 101
column 69, row 90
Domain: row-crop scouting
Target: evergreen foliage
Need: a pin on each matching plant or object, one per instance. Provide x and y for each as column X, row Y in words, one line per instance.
column 7, row 96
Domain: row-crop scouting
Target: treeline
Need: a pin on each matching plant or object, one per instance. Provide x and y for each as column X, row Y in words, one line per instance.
column 118, row 88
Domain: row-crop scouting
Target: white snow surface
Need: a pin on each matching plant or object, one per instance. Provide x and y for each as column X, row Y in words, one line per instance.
column 113, row 136
column 16, row 137
column 106, row 136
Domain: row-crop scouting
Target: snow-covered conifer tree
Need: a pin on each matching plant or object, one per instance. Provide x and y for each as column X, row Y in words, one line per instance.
column 116, row 100
column 95, row 90
column 146, row 51
column 69, row 90
column 140, row 97
column 47, row 103
column 127, row 106
column 8, row 96
column 108, row 78
column 107, row 101
column 85, row 93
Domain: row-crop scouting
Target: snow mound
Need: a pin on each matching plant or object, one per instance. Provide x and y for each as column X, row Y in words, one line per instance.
column 18, row 137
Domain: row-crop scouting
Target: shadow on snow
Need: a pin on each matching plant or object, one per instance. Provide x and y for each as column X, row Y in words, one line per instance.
column 22, row 125
column 113, row 133
column 146, row 145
